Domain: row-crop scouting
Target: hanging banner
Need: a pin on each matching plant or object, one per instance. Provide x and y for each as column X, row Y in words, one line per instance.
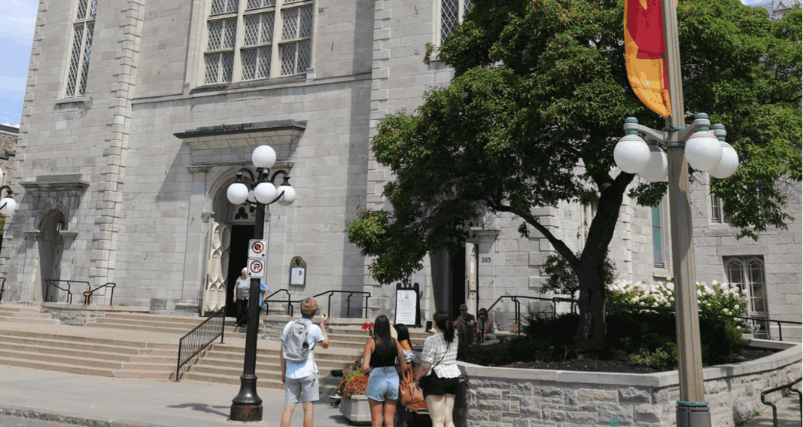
column 644, row 53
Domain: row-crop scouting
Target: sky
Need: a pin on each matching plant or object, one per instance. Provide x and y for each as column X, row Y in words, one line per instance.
column 17, row 20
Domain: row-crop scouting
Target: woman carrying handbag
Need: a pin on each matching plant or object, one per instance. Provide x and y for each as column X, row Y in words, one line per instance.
column 380, row 356
column 438, row 373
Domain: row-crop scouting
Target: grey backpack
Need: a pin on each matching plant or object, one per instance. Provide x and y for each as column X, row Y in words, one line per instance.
column 295, row 347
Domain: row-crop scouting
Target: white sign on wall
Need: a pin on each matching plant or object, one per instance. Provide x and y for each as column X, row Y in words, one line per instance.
column 406, row 305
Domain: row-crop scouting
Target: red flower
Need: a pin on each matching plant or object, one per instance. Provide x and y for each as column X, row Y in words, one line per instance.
column 367, row 325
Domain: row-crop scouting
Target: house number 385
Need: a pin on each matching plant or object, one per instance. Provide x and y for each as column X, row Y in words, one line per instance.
column 485, row 259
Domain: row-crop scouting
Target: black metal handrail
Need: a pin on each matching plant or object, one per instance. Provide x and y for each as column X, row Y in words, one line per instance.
column 774, row 409
column 200, row 338
column 88, row 293
column 288, row 310
column 555, row 300
column 348, row 300
column 54, row 283
column 2, row 287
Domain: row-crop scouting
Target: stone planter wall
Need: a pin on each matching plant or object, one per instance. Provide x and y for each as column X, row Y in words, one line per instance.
column 528, row 398
column 356, row 410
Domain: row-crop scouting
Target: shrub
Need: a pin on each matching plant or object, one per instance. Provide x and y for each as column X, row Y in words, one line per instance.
column 352, row 383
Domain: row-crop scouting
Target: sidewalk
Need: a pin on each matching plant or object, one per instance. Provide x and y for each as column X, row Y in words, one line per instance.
column 142, row 402
column 788, row 414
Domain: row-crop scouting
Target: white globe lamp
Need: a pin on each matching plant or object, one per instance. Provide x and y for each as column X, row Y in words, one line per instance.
column 631, row 153
column 703, row 150
column 7, row 206
column 289, row 194
column 265, row 193
column 237, row 193
column 251, row 197
column 657, row 168
column 729, row 163
column 264, row 157
column 1, row 177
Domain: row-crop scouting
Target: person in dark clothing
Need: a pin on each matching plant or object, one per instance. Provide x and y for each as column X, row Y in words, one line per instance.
column 379, row 357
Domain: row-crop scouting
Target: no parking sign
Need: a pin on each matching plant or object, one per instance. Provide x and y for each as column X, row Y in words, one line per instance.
column 256, row 268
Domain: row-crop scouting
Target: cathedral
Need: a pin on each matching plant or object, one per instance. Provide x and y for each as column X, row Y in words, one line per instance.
column 138, row 114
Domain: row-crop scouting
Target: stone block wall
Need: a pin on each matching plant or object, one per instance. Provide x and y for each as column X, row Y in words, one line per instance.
column 539, row 398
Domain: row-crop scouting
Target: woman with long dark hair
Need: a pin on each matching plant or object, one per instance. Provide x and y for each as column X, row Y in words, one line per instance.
column 379, row 357
column 438, row 372
column 403, row 335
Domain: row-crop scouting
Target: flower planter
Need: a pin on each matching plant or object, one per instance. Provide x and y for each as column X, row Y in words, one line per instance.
column 356, row 410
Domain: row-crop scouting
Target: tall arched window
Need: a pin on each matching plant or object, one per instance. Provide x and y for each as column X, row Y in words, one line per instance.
column 748, row 273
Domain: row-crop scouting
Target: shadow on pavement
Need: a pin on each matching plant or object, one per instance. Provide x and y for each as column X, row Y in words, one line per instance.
column 202, row 407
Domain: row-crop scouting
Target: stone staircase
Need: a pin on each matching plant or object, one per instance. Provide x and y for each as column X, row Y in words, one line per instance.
column 161, row 323
column 87, row 356
column 355, row 337
column 224, row 364
column 25, row 314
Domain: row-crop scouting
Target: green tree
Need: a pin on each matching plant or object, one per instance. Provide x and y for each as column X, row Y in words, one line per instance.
column 535, row 109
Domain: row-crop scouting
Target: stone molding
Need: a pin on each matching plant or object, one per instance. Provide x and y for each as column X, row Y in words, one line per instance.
column 284, row 133
column 205, row 167
column 55, row 186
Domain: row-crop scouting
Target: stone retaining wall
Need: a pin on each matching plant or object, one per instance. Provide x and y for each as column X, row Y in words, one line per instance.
column 80, row 315
column 530, row 398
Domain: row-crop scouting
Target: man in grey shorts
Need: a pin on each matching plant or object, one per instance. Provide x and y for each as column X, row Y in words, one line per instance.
column 301, row 379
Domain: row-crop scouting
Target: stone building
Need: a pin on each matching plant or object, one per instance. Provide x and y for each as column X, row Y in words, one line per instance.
column 8, row 149
column 139, row 113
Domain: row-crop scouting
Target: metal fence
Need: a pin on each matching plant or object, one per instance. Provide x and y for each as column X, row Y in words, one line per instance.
column 2, row 287
column 290, row 309
column 200, row 338
column 783, row 387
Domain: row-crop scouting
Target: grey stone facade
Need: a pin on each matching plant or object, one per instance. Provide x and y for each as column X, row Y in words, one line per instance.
column 125, row 183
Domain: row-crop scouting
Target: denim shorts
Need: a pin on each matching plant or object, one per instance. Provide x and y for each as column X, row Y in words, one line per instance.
column 383, row 384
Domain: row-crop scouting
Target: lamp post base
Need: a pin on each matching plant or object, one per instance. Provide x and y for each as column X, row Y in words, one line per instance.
column 693, row 414
column 246, row 413
column 247, row 406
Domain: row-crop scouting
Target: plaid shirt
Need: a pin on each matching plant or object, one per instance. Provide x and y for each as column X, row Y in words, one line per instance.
column 438, row 352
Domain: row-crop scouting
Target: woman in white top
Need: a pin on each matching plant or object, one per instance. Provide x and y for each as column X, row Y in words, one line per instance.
column 439, row 365
column 241, row 297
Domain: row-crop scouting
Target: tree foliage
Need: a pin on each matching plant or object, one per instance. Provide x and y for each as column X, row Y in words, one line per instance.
column 536, row 106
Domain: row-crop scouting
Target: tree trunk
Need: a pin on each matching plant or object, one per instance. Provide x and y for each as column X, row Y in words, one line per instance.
column 591, row 331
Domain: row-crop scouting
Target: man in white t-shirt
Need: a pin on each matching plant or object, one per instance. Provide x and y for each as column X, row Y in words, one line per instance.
column 301, row 379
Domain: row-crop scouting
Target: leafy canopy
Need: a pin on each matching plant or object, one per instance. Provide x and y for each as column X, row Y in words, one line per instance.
column 536, row 107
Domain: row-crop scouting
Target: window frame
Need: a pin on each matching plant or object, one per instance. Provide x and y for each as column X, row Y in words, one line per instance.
column 744, row 263
column 461, row 13
column 716, row 214
column 81, row 80
column 240, row 47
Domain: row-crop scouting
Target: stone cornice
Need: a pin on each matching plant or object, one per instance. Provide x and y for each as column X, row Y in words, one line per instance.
column 55, row 186
column 282, row 135
column 205, row 167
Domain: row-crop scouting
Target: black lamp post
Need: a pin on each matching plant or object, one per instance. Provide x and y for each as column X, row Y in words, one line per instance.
column 247, row 406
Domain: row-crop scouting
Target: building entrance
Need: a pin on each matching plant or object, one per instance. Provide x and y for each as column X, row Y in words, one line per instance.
column 51, row 250
column 238, row 258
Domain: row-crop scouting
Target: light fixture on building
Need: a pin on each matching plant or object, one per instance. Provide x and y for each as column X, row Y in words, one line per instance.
column 7, row 204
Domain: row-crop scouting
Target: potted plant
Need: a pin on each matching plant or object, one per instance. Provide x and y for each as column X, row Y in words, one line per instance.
column 354, row 403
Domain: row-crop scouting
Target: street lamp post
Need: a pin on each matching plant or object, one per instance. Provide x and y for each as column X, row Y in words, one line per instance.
column 247, row 406
column 7, row 204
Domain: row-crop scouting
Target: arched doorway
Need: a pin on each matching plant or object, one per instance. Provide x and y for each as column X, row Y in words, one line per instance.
column 51, row 251
column 233, row 226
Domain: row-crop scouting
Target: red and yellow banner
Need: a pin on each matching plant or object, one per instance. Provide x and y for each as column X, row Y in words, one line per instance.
column 644, row 54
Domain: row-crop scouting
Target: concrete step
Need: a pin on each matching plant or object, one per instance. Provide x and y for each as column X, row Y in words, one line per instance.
column 188, row 326
column 238, row 351
column 67, row 345
column 29, row 321
column 126, row 326
column 155, row 317
column 26, row 315
column 153, row 367
column 57, row 367
column 154, row 360
column 55, row 353
column 19, row 308
column 75, row 339
column 147, row 374
column 265, row 364
column 88, row 362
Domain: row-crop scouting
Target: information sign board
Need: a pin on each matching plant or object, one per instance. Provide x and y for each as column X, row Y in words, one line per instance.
column 407, row 305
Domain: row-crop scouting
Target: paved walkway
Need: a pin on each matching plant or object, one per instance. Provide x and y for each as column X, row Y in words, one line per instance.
column 788, row 414
column 143, row 402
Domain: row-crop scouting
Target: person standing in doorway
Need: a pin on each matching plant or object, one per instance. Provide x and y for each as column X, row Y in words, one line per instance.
column 241, row 297
column 299, row 371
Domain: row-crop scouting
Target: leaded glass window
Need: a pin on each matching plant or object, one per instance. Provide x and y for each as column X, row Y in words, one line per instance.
column 296, row 48
column 452, row 13
column 81, row 47
column 275, row 39
column 748, row 273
